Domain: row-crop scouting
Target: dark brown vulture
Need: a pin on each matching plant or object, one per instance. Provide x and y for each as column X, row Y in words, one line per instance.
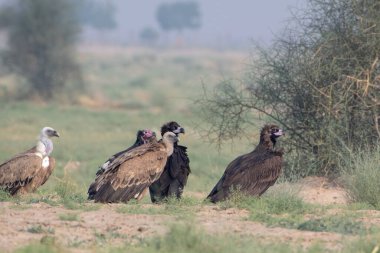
column 177, row 169
column 29, row 170
column 142, row 137
column 130, row 174
column 252, row 173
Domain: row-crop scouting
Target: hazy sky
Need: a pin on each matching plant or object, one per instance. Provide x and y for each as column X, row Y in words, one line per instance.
column 232, row 20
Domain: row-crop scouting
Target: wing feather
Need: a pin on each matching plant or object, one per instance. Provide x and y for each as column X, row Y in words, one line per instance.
column 251, row 173
column 131, row 173
column 18, row 171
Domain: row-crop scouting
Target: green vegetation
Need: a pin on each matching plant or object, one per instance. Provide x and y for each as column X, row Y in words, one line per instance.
column 187, row 239
column 144, row 89
column 41, row 45
column 179, row 16
column 337, row 224
column 107, row 122
column 39, row 248
column 361, row 177
column 184, row 208
column 69, row 217
column 286, row 209
column 319, row 79
column 4, row 196
column 38, row 229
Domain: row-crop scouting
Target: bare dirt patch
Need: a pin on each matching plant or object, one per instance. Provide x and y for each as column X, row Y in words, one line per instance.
column 20, row 227
column 80, row 230
column 320, row 190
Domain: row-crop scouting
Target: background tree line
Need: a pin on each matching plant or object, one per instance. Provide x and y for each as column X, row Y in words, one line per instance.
column 42, row 38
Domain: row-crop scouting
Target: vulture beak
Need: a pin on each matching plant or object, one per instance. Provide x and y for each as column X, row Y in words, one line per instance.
column 279, row 133
column 179, row 130
column 56, row 134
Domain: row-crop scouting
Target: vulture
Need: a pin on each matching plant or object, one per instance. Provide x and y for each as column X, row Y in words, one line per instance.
column 29, row 170
column 142, row 137
column 174, row 177
column 255, row 172
column 131, row 173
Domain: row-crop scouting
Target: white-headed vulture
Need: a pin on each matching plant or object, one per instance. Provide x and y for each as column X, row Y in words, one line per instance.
column 29, row 170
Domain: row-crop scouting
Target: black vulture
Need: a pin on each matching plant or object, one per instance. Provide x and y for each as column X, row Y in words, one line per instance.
column 252, row 173
column 174, row 177
column 141, row 138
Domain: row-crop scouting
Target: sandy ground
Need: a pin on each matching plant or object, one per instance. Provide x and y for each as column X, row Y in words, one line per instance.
column 23, row 224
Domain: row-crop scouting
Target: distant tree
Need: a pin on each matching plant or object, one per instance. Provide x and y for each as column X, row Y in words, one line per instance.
column 149, row 36
column 179, row 16
column 97, row 14
column 41, row 40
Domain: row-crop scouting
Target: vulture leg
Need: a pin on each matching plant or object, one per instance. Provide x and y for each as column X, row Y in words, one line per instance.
column 175, row 189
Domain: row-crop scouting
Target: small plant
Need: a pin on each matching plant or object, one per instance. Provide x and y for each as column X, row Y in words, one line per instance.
column 4, row 196
column 38, row 229
column 39, row 248
column 71, row 196
column 69, row 217
column 337, row 224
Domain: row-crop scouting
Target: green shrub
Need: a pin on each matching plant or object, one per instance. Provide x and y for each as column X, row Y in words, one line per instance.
column 5, row 196
column 362, row 177
column 319, row 80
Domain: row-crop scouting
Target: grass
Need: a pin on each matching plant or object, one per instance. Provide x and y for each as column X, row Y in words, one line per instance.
column 38, row 229
column 285, row 209
column 336, row 224
column 69, row 217
column 4, row 196
column 120, row 106
column 189, row 239
column 184, row 208
column 131, row 90
column 361, row 178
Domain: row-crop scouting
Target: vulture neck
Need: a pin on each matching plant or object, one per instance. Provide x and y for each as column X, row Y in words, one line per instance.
column 44, row 146
column 266, row 143
column 169, row 147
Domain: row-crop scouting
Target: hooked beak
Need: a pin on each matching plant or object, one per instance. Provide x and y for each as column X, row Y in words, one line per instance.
column 56, row 134
column 279, row 133
column 179, row 130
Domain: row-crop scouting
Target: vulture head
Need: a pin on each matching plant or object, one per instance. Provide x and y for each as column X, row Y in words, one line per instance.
column 147, row 134
column 269, row 134
column 169, row 138
column 48, row 132
column 45, row 145
column 173, row 127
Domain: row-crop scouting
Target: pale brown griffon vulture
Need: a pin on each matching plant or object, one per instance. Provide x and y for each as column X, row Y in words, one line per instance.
column 252, row 173
column 142, row 137
column 131, row 173
column 29, row 170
